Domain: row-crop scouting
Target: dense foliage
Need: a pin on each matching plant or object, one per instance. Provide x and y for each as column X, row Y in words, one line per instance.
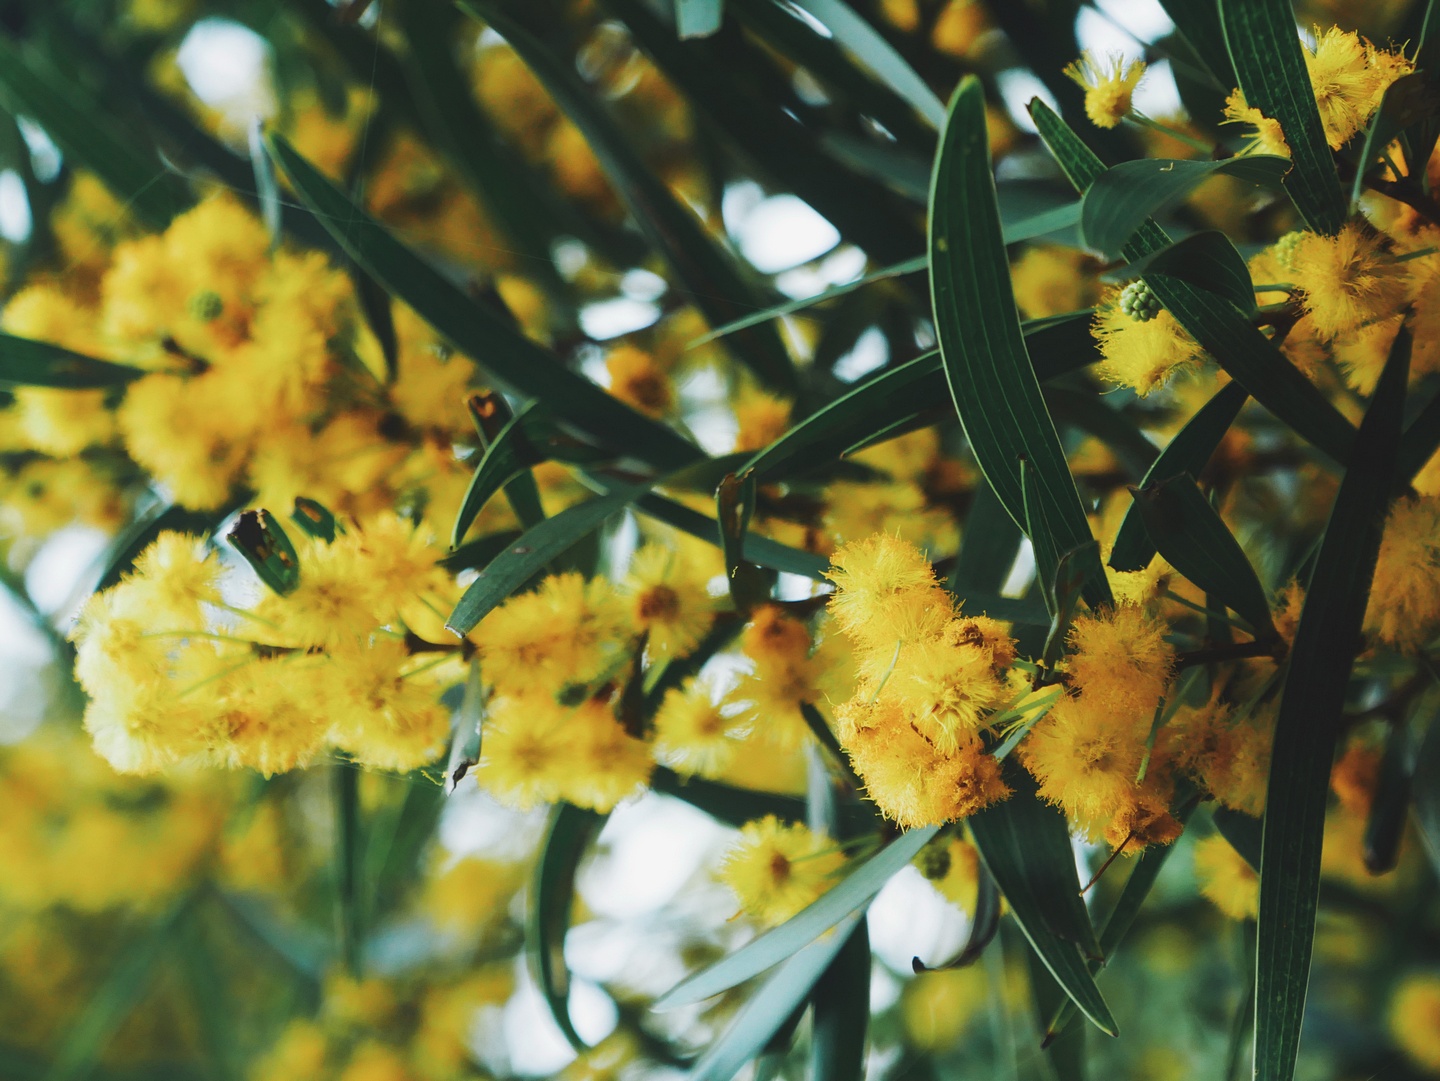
column 582, row 535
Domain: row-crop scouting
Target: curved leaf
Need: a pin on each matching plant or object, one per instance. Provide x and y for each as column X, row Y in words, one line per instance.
column 476, row 331
column 1218, row 325
column 769, row 1007
column 536, row 547
column 1188, row 451
column 1242, row 831
column 1308, row 725
column 1207, row 260
column 1425, row 785
column 729, row 81
column 506, row 457
column 991, row 378
column 1385, row 826
column 1125, row 195
column 841, row 1012
column 1264, row 47
column 25, row 362
column 547, row 916
column 872, row 51
column 1143, row 873
column 29, row 86
column 759, row 550
column 1199, row 24
column 844, row 900
column 1409, row 100
column 1025, row 844
column 1057, row 345
column 1192, row 537
column 707, row 271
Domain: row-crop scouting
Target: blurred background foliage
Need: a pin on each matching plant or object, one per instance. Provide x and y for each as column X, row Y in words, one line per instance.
column 367, row 926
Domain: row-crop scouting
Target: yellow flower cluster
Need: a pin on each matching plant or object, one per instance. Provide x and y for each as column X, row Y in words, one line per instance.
column 1348, row 76
column 775, row 870
column 1089, row 752
column 176, row 673
column 260, row 377
column 929, row 682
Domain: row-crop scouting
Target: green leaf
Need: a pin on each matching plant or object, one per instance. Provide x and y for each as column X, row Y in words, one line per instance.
column 465, row 133
column 535, row 548
column 1207, row 260
column 1125, row 195
column 989, row 544
column 349, row 921
column 736, row 806
column 476, row 331
column 1427, row 60
column 316, row 520
column 767, row 1010
column 267, row 189
column 698, row 18
column 1420, row 441
column 792, row 34
column 761, row 551
column 1042, row 539
column 547, row 916
column 480, row 551
column 1218, row 325
column 1409, row 100
column 1308, row 725
column 1385, row 826
column 727, row 80
column 991, row 378
column 1058, row 345
column 263, row 542
column 508, row 456
column 1047, row 221
column 120, row 991
column 141, row 182
column 1264, row 47
column 1145, row 869
column 845, row 899
column 25, row 362
column 1242, row 831
column 1199, row 24
column 706, row 270
column 1025, row 844
column 126, row 548
column 878, row 56
column 841, row 1012
column 909, row 266
column 1193, row 538
column 1189, row 449
column 1426, row 787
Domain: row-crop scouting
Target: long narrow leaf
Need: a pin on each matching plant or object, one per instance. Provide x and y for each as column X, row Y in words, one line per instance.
column 29, row 86
column 872, row 51
column 547, row 918
column 1189, row 450
column 1264, row 47
column 841, row 1005
column 768, row 1009
column 983, row 351
column 1308, row 724
column 25, row 362
column 1123, row 196
column 1218, row 325
column 473, row 329
column 536, row 547
column 1025, row 844
column 844, row 900
column 706, row 270
column 1193, row 538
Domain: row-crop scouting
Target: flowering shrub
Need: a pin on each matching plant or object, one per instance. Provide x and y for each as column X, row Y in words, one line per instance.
column 1079, row 507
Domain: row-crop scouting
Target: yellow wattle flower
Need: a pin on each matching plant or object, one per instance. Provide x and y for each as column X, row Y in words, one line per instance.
column 1108, row 86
